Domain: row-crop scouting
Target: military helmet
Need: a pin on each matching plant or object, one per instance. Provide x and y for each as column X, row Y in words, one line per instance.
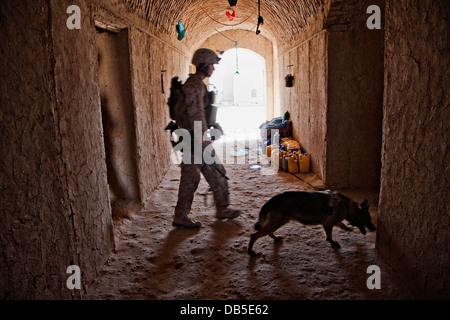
column 204, row 56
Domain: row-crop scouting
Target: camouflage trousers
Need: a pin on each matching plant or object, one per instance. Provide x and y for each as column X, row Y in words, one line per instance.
column 214, row 174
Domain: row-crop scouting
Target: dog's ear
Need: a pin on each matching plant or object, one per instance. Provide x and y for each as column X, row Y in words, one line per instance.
column 365, row 204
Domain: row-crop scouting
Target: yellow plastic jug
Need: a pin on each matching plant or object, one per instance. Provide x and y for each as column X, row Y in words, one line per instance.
column 293, row 164
column 304, row 163
column 271, row 148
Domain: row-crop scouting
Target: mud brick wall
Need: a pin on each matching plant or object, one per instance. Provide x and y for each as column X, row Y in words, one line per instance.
column 83, row 152
column 306, row 100
column 413, row 211
column 149, row 57
column 336, row 101
column 55, row 206
column 55, row 203
column 151, row 51
column 354, row 97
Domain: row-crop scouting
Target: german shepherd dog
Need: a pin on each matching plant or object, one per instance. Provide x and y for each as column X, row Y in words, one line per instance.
column 311, row 208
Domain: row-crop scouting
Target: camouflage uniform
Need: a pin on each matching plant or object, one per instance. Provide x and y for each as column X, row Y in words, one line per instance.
column 196, row 97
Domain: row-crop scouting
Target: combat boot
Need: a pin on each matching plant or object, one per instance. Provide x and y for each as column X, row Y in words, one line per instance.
column 183, row 221
column 227, row 213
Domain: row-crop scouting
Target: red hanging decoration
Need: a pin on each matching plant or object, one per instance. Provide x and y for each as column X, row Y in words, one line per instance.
column 230, row 15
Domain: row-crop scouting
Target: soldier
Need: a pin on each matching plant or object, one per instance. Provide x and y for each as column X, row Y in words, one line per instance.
column 196, row 98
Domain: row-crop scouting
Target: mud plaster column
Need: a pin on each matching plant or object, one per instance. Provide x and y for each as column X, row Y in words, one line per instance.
column 413, row 226
column 355, row 96
column 55, row 208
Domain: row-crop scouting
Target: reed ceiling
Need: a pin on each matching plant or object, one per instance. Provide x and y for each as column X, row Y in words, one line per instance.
column 283, row 19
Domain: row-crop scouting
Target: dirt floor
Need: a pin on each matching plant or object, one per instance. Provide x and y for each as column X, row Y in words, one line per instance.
column 153, row 260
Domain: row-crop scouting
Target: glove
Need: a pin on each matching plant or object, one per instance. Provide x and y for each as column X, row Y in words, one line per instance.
column 217, row 132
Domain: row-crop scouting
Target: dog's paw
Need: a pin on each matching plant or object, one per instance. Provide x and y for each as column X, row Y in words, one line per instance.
column 335, row 245
column 344, row 227
column 253, row 254
column 276, row 238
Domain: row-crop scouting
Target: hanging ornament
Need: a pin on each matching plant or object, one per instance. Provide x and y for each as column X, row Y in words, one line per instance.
column 181, row 30
column 260, row 19
column 237, row 62
column 232, row 2
column 230, row 15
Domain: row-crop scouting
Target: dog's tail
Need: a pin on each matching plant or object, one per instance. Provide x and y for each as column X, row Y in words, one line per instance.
column 265, row 209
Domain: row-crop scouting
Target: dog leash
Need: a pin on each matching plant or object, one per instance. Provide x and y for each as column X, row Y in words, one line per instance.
column 205, row 197
column 257, row 153
column 315, row 188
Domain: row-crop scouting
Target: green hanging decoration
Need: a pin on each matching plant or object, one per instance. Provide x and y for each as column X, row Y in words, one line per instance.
column 237, row 62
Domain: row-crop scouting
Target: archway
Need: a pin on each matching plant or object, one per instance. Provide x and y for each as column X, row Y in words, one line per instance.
column 239, row 82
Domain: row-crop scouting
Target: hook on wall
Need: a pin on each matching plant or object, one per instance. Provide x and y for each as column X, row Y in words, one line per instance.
column 289, row 79
column 162, row 80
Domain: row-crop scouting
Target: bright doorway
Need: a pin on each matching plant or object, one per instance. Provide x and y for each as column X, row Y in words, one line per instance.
column 239, row 81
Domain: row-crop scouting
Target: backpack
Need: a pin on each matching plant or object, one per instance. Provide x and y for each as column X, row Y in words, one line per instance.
column 177, row 105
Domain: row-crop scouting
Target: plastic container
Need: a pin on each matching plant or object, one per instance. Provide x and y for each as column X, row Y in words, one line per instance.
column 276, row 160
column 293, row 164
column 269, row 150
column 304, row 163
column 264, row 144
column 285, row 163
column 272, row 148
column 276, row 139
column 282, row 154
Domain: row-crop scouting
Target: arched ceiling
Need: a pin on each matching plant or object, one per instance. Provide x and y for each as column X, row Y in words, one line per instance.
column 283, row 19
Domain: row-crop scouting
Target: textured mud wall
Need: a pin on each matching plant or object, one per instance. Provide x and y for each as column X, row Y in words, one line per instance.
column 150, row 53
column 336, row 101
column 55, row 208
column 355, row 96
column 55, row 202
column 83, row 152
column 149, row 57
column 307, row 101
column 248, row 40
column 118, row 114
column 32, row 185
column 413, row 225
